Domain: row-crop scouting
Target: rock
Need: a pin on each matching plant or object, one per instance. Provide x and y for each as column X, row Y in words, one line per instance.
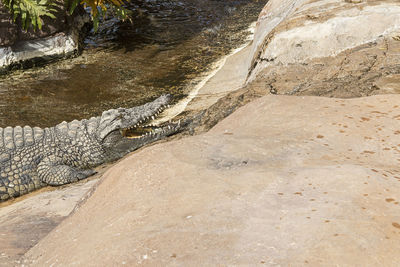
column 24, row 221
column 284, row 180
column 330, row 48
column 58, row 38
column 339, row 54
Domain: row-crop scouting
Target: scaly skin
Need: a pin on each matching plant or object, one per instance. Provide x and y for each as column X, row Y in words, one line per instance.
column 31, row 158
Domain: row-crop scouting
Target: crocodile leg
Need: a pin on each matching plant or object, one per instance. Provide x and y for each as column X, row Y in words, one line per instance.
column 55, row 173
column 31, row 158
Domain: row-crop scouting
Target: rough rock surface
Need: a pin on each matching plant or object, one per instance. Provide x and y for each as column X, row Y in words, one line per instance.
column 330, row 48
column 284, row 180
column 26, row 221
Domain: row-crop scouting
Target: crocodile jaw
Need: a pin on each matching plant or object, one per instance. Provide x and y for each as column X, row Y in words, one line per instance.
column 121, row 118
column 120, row 142
column 124, row 130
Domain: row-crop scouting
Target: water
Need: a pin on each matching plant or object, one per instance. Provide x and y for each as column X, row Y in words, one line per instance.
column 168, row 45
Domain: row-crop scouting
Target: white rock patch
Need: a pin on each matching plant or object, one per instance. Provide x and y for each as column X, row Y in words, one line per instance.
column 51, row 46
column 347, row 30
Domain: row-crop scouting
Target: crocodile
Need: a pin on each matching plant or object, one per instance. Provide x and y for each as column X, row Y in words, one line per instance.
column 32, row 158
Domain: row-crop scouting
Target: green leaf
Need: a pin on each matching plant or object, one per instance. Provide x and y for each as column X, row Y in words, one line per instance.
column 51, row 15
column 96, row 23
column 23, row 17
column 31, row 12
column 39, row 22
column 74, row 4
column 34, row 20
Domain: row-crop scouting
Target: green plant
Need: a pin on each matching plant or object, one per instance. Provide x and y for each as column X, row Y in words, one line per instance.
column 30, row 12
column 100, row 8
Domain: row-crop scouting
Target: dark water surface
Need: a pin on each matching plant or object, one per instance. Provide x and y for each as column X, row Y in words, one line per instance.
column 169, row 44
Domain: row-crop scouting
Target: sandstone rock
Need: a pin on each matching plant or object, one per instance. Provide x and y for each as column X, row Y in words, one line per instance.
column 284, row 180
column 24, row 221
column 330, row 48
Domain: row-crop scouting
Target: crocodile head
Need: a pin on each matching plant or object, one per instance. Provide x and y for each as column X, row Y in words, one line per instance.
column 121, row 130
